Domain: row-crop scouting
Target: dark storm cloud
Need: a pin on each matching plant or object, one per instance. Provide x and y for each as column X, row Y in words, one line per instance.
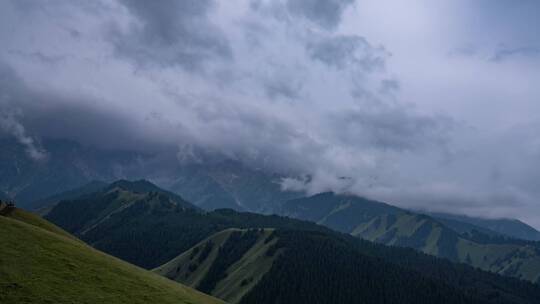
column 30, row 115
column 392, row 127
column 342, row 51
column 215, row 119
column 325, row 13
column 300, row 86
column 85, row 124
column 171, row 32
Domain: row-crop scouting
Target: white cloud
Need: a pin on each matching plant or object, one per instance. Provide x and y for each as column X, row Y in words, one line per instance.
column 10, row 125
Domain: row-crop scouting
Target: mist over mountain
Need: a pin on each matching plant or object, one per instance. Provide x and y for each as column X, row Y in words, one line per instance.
column 208, row 179
column 318, row 88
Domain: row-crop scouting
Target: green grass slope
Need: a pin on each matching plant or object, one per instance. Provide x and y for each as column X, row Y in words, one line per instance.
column 35, row 220
column 242, row 272
column 39, row 263
column 520, row 260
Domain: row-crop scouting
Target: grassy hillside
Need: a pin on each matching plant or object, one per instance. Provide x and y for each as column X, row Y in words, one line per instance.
column 429, row 236
column 290, row 266
column 40, row 263
column 197, row 266
column 392, row 226
column 35, row 220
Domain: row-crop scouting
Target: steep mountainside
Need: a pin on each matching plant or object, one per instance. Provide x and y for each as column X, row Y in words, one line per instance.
column 230, row 184
column 509, row 227
column 91, row 210
column 40, row 263
column 149, row 228
column 389, row 225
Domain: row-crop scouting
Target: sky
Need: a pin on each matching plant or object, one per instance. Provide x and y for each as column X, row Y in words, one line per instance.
column 425, row 104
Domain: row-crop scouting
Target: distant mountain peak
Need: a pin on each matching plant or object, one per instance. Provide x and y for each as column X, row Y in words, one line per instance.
column 141, row 184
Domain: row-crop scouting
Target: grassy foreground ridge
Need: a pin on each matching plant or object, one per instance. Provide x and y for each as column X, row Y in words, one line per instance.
column 40, row 263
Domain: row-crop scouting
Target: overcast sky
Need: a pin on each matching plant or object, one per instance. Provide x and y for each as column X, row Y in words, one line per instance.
column 424, row 104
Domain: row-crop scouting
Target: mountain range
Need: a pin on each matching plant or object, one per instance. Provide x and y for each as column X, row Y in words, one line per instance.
column 68, row 165
column 179, row 230
column 207, row 180
column 231, row 184
column 459, row 241
column 244, row 257
column 211, row 183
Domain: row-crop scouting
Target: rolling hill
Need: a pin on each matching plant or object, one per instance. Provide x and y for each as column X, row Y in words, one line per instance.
column 40, row 263
column 382, row 223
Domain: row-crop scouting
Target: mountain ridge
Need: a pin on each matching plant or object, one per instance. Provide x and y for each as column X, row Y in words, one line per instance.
column 506, row 226
column 389, row 225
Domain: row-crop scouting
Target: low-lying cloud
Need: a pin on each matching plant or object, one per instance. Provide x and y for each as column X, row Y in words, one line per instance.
column 10, row 125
